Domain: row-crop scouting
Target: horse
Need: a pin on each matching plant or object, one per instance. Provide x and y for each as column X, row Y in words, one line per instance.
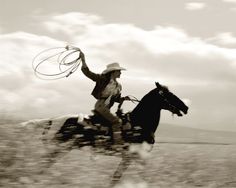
column 139, row 126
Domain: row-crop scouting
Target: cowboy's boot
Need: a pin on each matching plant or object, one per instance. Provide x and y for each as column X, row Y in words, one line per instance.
column 117, row 137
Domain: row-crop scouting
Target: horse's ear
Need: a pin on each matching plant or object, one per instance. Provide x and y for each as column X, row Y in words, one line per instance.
column 157, row 84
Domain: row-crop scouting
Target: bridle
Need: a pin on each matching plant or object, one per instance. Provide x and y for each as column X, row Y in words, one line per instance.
column 173, row 107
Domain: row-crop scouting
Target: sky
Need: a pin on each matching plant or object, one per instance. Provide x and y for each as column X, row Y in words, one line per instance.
column 189, row 46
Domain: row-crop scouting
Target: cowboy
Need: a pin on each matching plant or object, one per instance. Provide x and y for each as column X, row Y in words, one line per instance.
column 107, row 91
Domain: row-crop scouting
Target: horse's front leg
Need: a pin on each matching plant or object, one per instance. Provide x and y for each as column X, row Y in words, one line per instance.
column 123, row 165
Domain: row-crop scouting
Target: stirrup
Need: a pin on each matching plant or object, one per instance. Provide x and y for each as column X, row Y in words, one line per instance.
column 117, row 138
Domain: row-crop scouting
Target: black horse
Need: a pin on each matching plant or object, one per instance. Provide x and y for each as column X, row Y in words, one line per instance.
column 139, row 125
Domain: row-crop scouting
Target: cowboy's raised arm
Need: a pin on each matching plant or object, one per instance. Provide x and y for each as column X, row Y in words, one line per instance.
column 93, row 76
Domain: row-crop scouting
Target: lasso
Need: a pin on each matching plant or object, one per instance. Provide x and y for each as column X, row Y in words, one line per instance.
column 64, row 60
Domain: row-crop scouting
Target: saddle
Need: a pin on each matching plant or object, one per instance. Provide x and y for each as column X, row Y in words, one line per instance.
column 98, row 119
column 104, row 128
column 98, row 122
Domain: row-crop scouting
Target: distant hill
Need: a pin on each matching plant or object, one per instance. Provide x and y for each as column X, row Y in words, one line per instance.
column 175, row 133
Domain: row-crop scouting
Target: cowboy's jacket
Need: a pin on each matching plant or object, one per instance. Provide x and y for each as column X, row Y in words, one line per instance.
column 101, row 82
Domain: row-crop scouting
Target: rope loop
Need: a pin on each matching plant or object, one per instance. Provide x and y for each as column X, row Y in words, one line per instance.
column 56, row 63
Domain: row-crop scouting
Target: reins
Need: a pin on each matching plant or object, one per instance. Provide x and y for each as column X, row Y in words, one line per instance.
column 131, row 98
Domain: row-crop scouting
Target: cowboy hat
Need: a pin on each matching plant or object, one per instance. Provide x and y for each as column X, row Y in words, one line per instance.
column 112, row 67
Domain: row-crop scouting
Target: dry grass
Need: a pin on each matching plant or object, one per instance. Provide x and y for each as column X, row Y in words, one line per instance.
column 174, row 162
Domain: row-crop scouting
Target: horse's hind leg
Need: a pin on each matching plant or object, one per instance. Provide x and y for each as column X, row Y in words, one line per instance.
column 59, row 146
column 54, row 155
column 124, row 164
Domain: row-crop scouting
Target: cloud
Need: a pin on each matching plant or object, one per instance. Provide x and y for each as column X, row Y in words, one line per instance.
column 72, row 24
column 160, row 40
column 18, row 83
column 229, row 1
column 226, row 39
column 195, row 6
column 105, row 43
column 188, row 65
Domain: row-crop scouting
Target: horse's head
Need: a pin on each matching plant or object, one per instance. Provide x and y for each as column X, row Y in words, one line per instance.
column 147, row 113
column 170, row 101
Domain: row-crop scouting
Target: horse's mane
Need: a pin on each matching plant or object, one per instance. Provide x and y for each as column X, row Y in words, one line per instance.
column 147, row 113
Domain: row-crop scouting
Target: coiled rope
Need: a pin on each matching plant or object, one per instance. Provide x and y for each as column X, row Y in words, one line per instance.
column 56, row 63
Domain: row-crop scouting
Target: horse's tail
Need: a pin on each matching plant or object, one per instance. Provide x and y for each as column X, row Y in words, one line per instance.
column 46, row 129
column 60, row 125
